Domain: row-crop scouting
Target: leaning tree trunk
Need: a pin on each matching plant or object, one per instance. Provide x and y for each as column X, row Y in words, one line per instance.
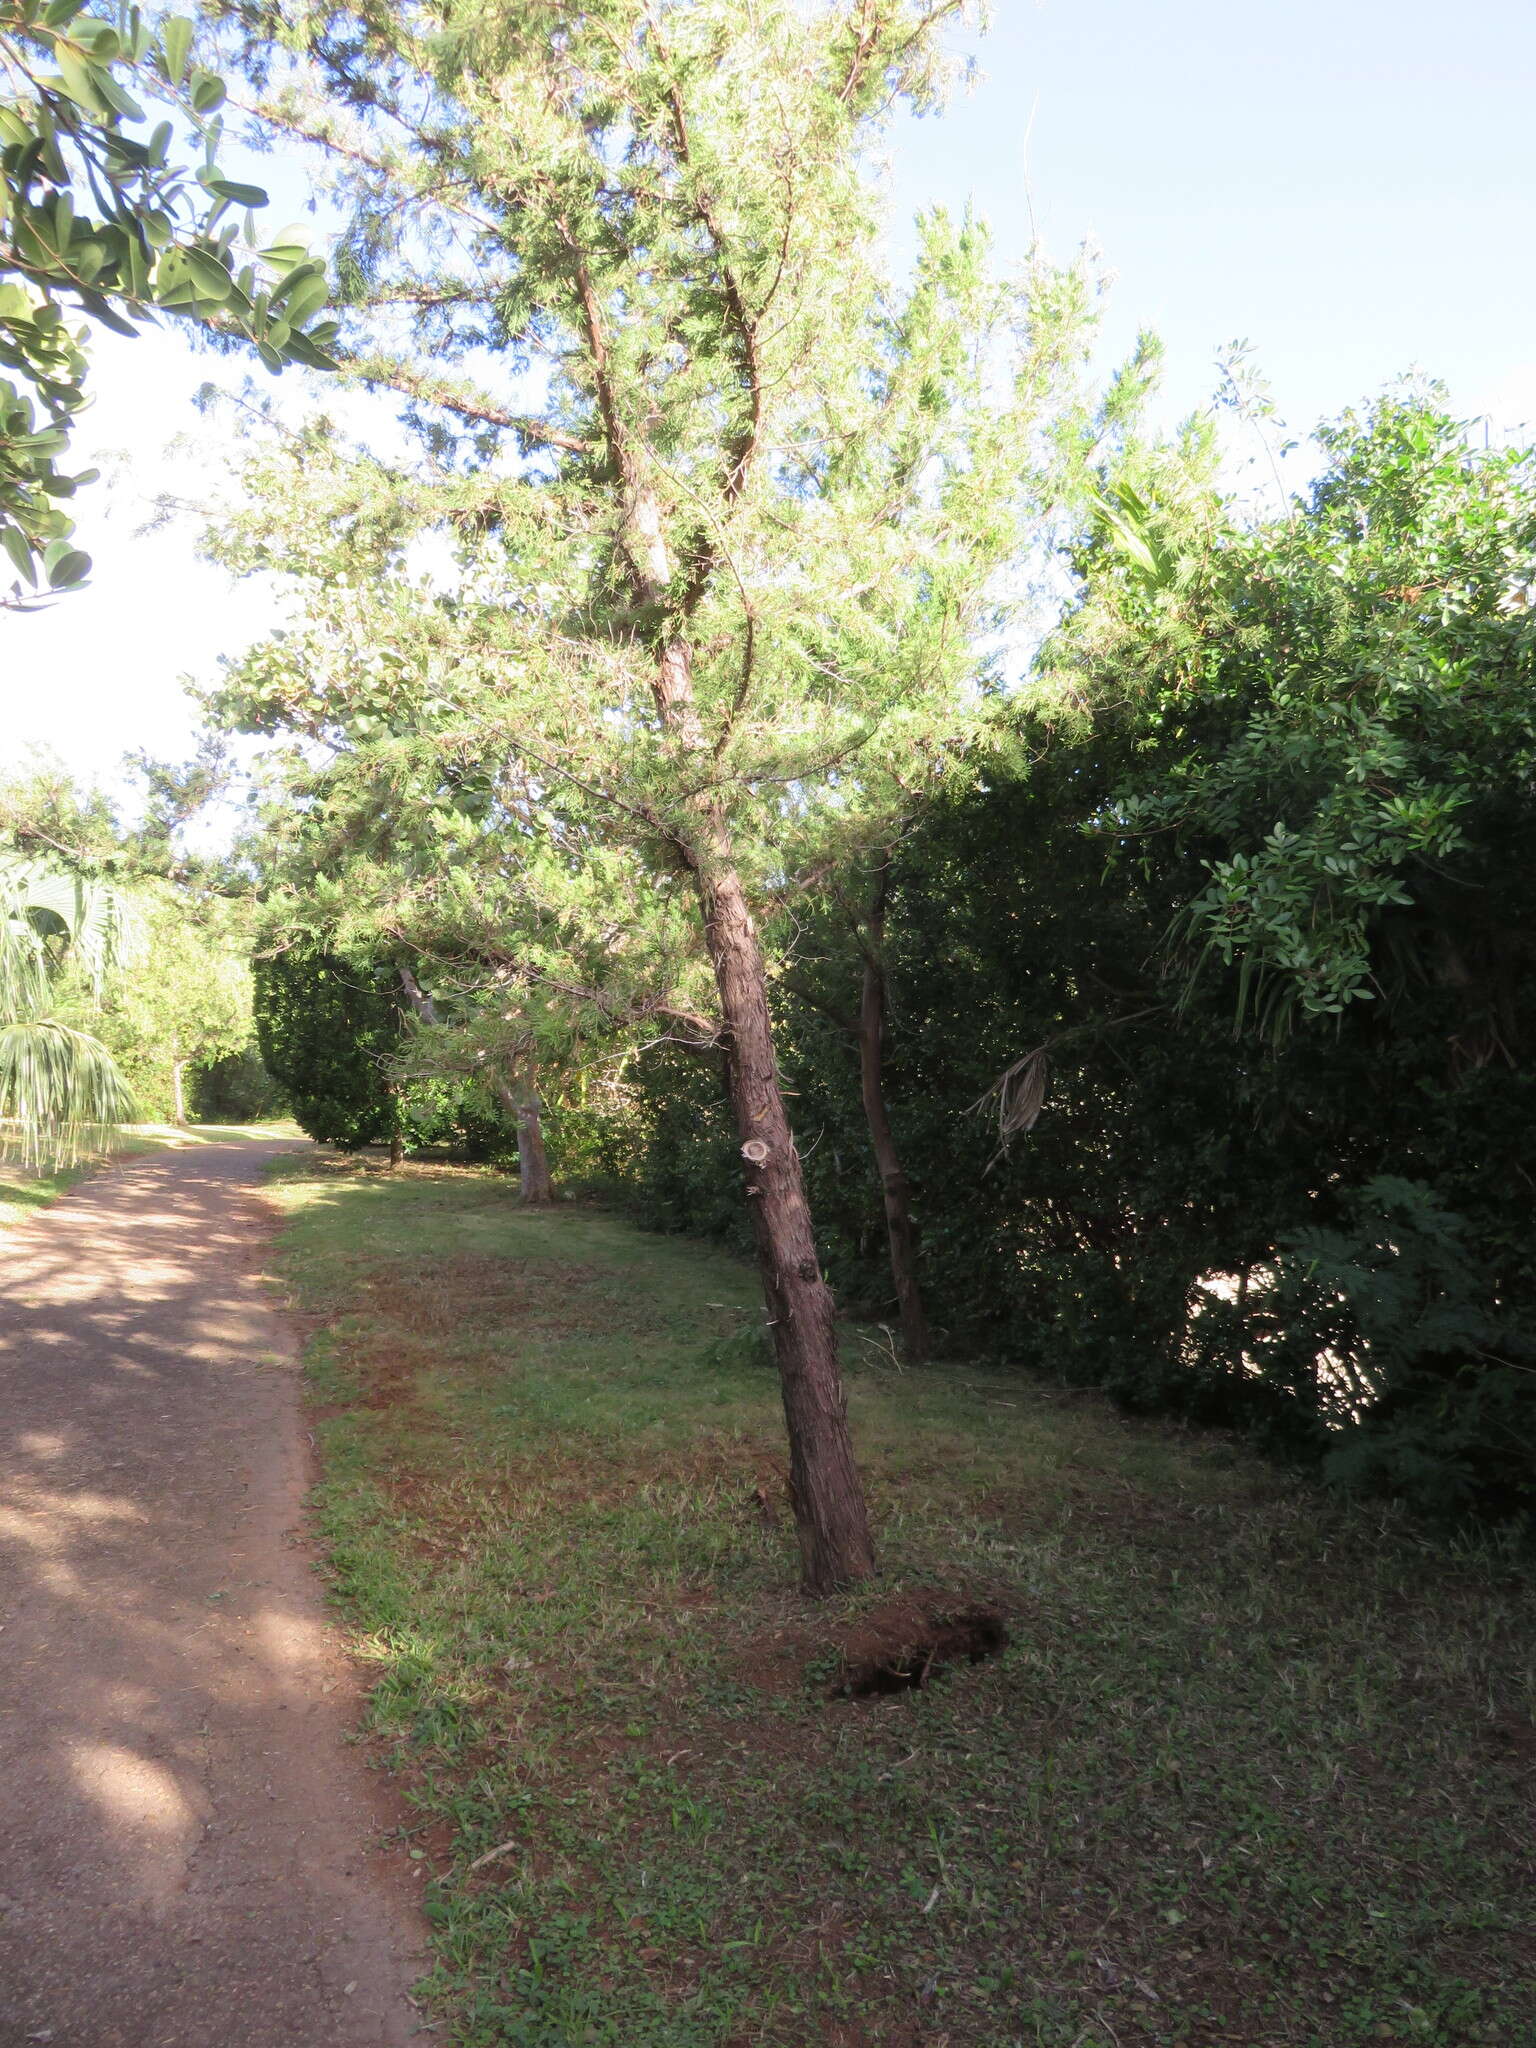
column 825, row 1493
column 519, row 1097
column 895, row 1188
column 828, row 1500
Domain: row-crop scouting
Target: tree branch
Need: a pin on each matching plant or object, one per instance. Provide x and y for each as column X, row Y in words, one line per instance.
column 396, row 375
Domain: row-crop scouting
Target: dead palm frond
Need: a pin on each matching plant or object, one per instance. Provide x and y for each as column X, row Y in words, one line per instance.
column 1018, row 1096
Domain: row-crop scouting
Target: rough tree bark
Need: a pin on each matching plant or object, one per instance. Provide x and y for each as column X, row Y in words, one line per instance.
column 895, row 1188
column 522, row 1095
column 825, row 1491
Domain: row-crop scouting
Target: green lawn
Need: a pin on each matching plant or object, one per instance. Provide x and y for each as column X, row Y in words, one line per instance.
column 1252, row 1769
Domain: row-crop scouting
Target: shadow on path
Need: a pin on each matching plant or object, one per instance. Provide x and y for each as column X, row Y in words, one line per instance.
column 185, row 1840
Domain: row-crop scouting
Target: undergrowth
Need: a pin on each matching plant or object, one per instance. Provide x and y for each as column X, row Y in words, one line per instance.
column 1250, row 1768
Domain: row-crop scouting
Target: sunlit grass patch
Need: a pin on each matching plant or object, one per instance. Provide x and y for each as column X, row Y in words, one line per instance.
column 1241, row 1767
column 172, row 1137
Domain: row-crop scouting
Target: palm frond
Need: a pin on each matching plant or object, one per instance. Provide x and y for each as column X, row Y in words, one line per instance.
column 23, row 955
column 60, row 1092
column 67, row 914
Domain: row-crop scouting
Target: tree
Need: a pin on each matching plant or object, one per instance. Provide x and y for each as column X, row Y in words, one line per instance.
column 447, row 1046
column 184, row 1002
column 327, row 1029
column 718, row 497
column 59, row 1087
column 100, row 218
column 849, row 912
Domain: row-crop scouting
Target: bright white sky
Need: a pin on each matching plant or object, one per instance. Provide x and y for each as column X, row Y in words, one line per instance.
column 1346, row 185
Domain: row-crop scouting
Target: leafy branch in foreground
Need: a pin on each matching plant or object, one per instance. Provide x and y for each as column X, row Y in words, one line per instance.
column 101, row 217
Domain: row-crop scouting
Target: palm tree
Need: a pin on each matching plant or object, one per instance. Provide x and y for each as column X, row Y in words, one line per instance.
column 60, row 1089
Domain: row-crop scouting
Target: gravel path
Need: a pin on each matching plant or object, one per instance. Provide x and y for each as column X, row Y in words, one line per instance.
column 187, row 1846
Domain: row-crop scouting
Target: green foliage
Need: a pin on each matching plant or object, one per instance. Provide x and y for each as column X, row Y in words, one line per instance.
column 327, row 1029
column 180, row 1003
column 99, row 215
column 1435, row 1371
column 60, row 1090
column 1378, row 653
column 330, row 1028
column 236, row 1089
column 1315, row 1236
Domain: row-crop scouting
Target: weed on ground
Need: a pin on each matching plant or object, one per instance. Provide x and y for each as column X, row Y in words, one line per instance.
column 1136, row 1743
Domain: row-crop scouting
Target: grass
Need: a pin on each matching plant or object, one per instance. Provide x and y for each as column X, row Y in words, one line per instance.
column 22, row 1191
column 1253, row 1769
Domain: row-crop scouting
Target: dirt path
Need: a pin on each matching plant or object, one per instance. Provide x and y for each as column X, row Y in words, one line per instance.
column 185, row 1854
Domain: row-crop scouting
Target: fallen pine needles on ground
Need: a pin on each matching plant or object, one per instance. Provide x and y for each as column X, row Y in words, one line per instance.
column 1136, row 1742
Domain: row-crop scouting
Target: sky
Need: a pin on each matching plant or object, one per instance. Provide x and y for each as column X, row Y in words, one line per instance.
column 1347, row 187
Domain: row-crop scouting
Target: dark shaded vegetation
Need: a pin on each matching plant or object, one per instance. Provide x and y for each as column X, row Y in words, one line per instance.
column 329, row 1029
column 1265, row 915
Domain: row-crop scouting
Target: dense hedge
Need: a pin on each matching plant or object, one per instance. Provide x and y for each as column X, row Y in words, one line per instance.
column 1370, row 1190
column 1291, row 1192
column 326, row 1028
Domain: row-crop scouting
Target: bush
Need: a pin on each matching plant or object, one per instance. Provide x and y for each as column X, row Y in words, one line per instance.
column 235, row 1090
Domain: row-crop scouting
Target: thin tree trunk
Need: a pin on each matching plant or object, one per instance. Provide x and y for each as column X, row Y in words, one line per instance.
column 518, row 1096
column 831, row 1520
column 895, row 1188
column 532, row 1160
column 178, row 1097
column 396, row 1142
column 828, row 1500
column 417, row 996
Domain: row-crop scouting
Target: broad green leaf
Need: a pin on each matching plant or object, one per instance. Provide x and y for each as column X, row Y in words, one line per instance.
column 176, row 41
column 289, row 249
column 98, row 37
column 15, row 545
column 208, row 274
column 119, row 101
column 70, row 568
column 308, row 298
column 78, row 79
column 238, row 194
